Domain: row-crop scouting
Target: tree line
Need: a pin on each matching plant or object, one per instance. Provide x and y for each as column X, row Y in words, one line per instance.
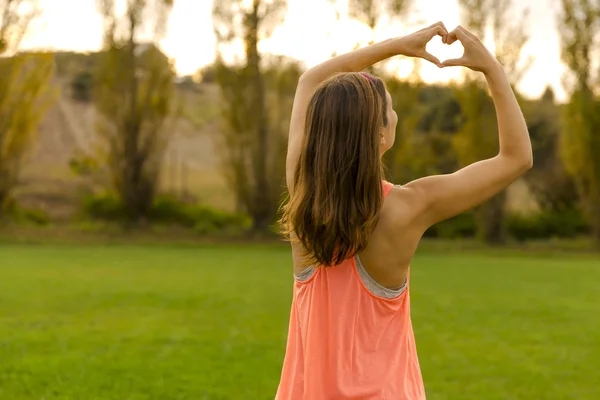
column 440, row 128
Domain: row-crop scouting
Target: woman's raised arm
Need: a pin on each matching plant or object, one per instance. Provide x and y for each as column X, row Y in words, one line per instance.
column 413, row 46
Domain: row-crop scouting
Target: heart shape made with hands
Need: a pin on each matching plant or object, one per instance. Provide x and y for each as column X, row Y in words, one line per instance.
column 444, row 51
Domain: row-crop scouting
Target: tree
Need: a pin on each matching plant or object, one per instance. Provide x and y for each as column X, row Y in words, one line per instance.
column 15, row 18
column 247, row 131
column 580, row 142
column 370, row 12
column 553, row 188
column 25, row 93
column 134, row 96
column 476, row 139
column 401, row 161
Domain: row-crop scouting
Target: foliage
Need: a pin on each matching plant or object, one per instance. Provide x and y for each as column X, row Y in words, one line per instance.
column 547, row 224
column 15, row 17
column 247, row 150
column 171, row 211
column 14, row 212
column 416, row 152
column 82, row 87
column 25, row 96
column 370, row 12
column 580, row 142
column 208, row 74
column 24, row 92
column 442, row 112
column 461, row 226
column 69, row 64
column 549, row 182
column 566, row 223
column 476, row 140
column 237, row 143
column 133, row 93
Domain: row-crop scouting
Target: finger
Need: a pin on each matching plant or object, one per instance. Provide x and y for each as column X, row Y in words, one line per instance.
column 445, row 35
column 457, row 34
column 454, row 62
column 425, row 55
column 437, row 30
column 440, row 24
column 451, row 38
column 467, row 33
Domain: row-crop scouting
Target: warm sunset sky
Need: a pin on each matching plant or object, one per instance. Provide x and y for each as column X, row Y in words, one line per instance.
column 309, row 33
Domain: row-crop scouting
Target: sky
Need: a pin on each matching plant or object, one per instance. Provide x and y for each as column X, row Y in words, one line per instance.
column 309, row 33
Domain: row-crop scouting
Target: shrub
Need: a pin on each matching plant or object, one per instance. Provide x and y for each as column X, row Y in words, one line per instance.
column 169, row 210
column 16, row 213
column 204, row 220
column 548, row 224
column 461, row 226
column 82, row 87
column 106, row 206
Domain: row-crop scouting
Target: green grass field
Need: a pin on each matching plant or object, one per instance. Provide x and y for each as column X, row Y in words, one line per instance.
column 192, row 322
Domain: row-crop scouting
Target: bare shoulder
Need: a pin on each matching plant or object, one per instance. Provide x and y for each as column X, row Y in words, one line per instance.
column 398, row 229
column 395, row 239
column 402, row 206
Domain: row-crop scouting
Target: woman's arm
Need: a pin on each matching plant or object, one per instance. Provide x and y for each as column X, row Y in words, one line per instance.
column 444, row 196
column 356, row 61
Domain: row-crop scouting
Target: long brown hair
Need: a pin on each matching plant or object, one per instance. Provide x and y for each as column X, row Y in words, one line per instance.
column 337, row 192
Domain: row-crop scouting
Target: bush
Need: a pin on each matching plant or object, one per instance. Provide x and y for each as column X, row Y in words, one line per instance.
column 169, row 210
column 16, row 213
column 548, row 224
column 461, row 226
column 545, row 225
column 82, row 87
column 106, row 206
column 204, row 220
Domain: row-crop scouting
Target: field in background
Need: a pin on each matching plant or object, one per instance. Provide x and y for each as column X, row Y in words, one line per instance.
column 191, row 164
column 189, row 322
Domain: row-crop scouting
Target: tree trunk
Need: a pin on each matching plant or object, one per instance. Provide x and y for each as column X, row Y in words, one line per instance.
column 261, row 203
column 132, row 172
column 595, row 212
column 491, row 220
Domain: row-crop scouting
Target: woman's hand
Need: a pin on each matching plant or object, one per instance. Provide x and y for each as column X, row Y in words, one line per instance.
column 414, row 45
column 476, row 56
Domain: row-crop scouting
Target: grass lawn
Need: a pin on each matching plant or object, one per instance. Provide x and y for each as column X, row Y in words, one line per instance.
column 197, row 322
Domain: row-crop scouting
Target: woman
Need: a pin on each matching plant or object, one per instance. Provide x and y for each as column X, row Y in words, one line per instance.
column 354, row 235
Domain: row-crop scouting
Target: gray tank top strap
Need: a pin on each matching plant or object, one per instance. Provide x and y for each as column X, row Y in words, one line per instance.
column 370, row 283
column 306, row 274
column 373, row 286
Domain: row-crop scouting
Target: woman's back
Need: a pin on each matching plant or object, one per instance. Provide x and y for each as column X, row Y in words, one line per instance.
column 350, row 333
column 349, row 337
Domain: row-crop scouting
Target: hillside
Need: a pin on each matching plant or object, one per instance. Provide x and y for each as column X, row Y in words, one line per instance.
column 191, row 162
column 67, row 130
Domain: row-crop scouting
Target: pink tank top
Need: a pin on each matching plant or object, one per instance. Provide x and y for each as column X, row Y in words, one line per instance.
column 344, row 342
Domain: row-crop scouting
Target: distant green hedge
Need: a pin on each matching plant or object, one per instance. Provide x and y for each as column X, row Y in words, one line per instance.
column 208, row 221
column 13, row 211
column 461, row 226
column 544, row 225
column 168, row 210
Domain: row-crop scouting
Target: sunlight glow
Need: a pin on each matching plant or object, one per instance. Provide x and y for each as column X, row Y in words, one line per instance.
column 310, row 33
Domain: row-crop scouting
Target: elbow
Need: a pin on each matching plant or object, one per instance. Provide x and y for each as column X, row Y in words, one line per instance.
column 528, row 161
column 519, row 164
column 524, row 164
